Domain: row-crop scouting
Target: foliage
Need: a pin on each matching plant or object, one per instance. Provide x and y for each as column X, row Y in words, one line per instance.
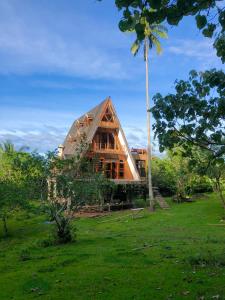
column 174, row 176
column 21, row 179
column 139, row 202
column 150, row 35
column 194, row 115
column 209, row 17
column 193, row 118
column 163, row 176
column 214, row 169
column 73, row 183
column 63, row 232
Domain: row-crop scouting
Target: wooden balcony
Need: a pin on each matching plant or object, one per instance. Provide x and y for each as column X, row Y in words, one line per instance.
column 112, row 125
column 107, row 148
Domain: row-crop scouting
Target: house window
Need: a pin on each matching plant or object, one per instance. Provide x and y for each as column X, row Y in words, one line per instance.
column 121, row 169
column 110, row 170
column 111, row 141
column 103, row 138
column 106, row 140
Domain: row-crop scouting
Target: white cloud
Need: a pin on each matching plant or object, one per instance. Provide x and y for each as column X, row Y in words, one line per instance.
column 193, row 48
column 137, row 138
column 37, row 128
column 201, row 50
column 41, row 140
column 30, row 46
column 47, row 138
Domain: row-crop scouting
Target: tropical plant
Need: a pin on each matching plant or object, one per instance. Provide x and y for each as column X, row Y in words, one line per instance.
column 152, row 34
column 8, row 147
column 209, row 17
column 73, row 183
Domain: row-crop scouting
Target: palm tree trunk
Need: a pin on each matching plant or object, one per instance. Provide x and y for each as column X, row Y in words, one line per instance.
column 149, row 152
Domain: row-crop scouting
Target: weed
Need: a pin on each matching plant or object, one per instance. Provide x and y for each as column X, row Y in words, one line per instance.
column 207, row 259
column 25, row 254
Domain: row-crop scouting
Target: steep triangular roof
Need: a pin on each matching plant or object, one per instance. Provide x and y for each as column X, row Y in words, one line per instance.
column 76, row 131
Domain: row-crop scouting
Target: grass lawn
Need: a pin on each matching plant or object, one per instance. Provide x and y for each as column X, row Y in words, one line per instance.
column 171, row 254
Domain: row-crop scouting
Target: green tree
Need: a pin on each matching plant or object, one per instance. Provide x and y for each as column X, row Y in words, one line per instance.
column 209, row 16
column 164, row 176
column 21, row 180
column 214, row 169
column 73, row 183
column 193, row 118
column 148, row 38
column 175, row 175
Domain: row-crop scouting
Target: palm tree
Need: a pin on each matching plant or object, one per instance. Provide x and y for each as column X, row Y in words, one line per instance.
column 152, row 35
column 8, row 147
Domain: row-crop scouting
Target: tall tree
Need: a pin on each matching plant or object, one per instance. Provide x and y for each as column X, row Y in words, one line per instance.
column 152, row 33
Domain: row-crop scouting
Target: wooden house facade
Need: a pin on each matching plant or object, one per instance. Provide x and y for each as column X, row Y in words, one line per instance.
column 107, row 142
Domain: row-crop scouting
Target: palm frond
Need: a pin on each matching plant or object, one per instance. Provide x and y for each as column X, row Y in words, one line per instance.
column 135, row 47
column 156, row 43
column 159, row 27
column 23, row 149
column 162, row 34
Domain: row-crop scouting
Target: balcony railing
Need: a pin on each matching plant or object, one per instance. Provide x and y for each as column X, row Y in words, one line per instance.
column 104, row 124
column 106, row 146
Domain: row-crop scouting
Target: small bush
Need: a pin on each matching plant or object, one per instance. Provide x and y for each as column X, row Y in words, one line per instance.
column 63, row 234
column 139, row 203
column 200, row 184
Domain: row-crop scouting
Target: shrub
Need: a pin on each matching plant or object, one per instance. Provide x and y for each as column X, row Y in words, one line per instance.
column 201, row 184
column 63, row 233
column 139, row 203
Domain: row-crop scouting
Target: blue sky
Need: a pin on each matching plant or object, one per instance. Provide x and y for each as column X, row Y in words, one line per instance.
column 59, row 58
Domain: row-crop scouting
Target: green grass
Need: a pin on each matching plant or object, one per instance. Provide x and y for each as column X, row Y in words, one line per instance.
column 182, row 257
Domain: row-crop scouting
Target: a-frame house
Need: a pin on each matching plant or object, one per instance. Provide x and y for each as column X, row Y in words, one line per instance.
column 107, row 142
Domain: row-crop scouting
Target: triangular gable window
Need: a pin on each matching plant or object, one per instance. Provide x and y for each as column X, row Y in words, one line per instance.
column 108, row 116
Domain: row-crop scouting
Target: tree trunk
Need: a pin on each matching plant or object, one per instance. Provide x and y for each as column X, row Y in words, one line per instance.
column 5, row 228
column 220, row 191
column 149, row 151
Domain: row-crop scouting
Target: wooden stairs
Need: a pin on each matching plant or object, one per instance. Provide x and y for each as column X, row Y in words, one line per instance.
column 160, row 200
